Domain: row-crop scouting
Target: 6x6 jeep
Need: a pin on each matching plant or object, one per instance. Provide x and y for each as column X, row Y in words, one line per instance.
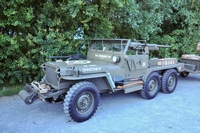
column 112, row 65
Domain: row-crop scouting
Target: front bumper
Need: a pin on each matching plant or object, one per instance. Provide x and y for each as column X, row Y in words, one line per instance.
column 34, row 91
column 42, row 91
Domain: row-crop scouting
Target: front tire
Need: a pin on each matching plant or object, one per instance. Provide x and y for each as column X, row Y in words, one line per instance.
column 151, row 86
column 169, row 81
column 81, row 101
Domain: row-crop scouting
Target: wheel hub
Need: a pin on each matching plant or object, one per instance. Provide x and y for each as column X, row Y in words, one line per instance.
column 84, row 102
column 152, row 85
column 171, row 81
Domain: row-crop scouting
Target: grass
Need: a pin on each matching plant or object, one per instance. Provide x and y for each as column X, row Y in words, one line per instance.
column 10, row 90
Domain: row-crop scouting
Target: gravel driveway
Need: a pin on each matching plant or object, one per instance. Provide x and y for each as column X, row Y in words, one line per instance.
column 178, row 112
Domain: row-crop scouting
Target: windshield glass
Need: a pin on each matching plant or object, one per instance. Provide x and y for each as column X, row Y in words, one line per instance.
column 108, row 45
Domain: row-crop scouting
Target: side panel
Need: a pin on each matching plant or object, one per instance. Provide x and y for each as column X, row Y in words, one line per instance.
column 66, row 84
column 136, row 62
column 135, row 65
column 103, row 81
column 160, row 69
column 133, row 88
column 102, row 84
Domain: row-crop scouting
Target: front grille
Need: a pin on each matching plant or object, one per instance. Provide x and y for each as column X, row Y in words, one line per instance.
column 51, row 76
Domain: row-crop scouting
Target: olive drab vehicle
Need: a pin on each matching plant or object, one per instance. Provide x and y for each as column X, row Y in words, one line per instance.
column 192, row 63
column 112, row 65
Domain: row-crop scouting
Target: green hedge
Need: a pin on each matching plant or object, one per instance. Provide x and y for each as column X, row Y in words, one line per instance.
column 32, row 30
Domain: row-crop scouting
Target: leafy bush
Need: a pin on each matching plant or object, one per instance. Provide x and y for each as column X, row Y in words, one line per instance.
column 31, row 31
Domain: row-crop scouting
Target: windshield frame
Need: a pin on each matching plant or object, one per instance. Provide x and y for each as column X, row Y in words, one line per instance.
column 109, row 45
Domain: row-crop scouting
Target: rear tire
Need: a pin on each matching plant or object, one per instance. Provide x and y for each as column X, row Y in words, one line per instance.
column 151, row 86
column 81, row 101
column 169, row 81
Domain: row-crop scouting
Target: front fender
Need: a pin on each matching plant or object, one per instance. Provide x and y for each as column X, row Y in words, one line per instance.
column 93, row 76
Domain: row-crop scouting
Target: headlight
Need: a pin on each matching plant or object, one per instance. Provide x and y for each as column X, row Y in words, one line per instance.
column 115, row 58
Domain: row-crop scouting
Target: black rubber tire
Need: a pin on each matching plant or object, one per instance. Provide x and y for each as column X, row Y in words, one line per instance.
column 169, row 81
column 81, row 101
column 184, row 74
column 151, row 87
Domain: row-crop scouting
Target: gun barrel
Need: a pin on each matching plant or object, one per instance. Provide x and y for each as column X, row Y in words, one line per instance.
column 158, row 45
column 138, row 45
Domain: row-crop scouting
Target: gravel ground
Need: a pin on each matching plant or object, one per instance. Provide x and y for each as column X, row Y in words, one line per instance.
column 178, row 112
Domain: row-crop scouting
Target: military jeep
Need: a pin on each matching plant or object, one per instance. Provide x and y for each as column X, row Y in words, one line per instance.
column 112, row 65
column 192, row 63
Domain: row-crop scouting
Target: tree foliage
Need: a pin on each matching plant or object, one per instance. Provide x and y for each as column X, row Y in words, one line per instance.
column 30, row 31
